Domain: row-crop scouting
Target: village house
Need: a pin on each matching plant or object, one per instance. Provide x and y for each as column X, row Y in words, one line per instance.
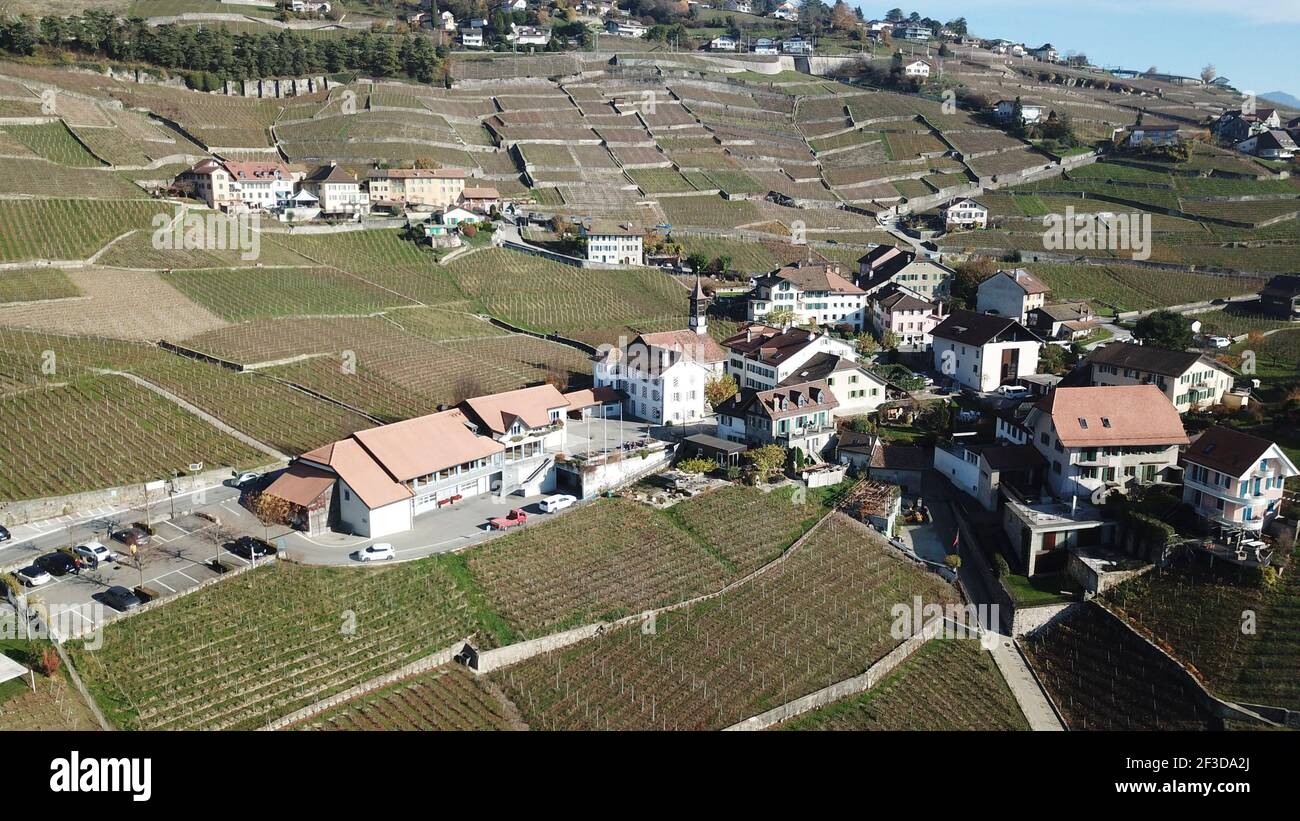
column 1234, row 480
column 964, row 212
column 915, row 34
column 1064, row 320
column 857, row 390
column 797, row 44
column 228, row 185
column 447, row 21
column 918, row 69
column 528, row 35
column 1168, row 134
column 764, row 45
column 1106, row 437
column 1030, row 111
column 307, row 6
column 1235, row 126
column 814, row 293
column 799, row 415
column 436, row 187
column 739, row 6
column 663, row 375
column 723, row 42
column 1189, row 380
column 614, row 243
column 761, row 356
column 1280, row 297
column 887, row 264
column 471, row 37
column 481, row 199
column 1274, row 144
column 902, row 312
column 786, row 11
column 337, row 192
column 982, row 351
column 1011, row 294
column 625, row 28
column 454, row 216
column 1046, row 53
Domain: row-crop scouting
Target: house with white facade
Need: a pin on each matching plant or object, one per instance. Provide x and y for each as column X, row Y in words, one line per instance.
column 447, row 21
column 982, row 351
column 337, row 192
column 913, row 33
column 1233, row 480
column 662, row 375
column 739, row 6
column 857, row 389
column 1046, row 52
column 919, row 69
column 723, row 42
column 964, row 212
column 480, row 198
column 1011, row 294
column 528, row 35
column 764, row 45
column 1274, row 144
column 815, row 293
column 614, row 243
column 786, row 11
column 1063, row 320
column 1030, row 111
column 762, row 356
column 887, row 264
column 799, row 415
column 1104, row 438
column 471, row 37
column 797, row 44
column 230, row 185
column 1163, row 134
column 1189, row 380
column 625, row 28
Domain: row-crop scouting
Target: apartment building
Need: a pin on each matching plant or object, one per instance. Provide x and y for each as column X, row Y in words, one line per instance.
column 614, row 243
column 1189, row 380
column 886, row 264
column 814, row 293
column 762, row 356
column 336, row 191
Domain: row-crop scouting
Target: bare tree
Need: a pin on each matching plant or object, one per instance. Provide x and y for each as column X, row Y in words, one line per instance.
column 1208, row 73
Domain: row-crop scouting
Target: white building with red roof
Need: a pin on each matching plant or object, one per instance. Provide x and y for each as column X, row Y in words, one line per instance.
column 663, row 374
column 814, row 293
column 231, row 185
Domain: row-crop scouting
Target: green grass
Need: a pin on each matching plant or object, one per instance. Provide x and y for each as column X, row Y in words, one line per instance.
column 54, row 142
column 30, row 284
column 1039, row 590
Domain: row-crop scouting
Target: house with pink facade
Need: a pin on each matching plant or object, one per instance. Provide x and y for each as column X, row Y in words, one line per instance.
column 1234, row 480
column 904, row 312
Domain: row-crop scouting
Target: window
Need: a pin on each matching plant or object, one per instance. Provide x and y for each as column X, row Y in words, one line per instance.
column 1105, row 421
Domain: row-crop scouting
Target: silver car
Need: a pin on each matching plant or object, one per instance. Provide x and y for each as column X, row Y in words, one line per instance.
column 94, row 553
column 33, row 576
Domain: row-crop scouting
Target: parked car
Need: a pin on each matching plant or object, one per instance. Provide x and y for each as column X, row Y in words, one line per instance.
column 32, row 576
column 247, row 478
column 1219, row 342
column 5, row 535
column 556, row 503
column 120, row 598
column 58, row 564
column 1013, row 391
column 375, row 553
column 133, row 536
column 512, row 519
column 250, row 547
column 94, row 554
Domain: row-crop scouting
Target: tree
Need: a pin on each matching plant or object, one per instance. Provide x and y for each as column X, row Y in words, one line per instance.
column 1051, row 359
column 779, row 316
column 1164, row 329
column 1208, row 73
column 890, row 341
column 842, row 17
column 894, row 15
column 720, row 388
column 764, row 461
column 867, row 344
column 970, row 273
column 957, row 26
column 697, row 261
column 272, row 510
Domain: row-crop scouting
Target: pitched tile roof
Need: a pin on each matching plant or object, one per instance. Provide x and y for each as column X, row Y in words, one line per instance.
column 1114, row 415
column 532, row 406
column 692, row 346
column 971, row 328
column 423, row 445
column 330, row 173
column 301, row 484
column 1149, row 358
column 1227, row 451
column 781, row 402
column 819, row 277
column 772, row 346
column 1029, row 283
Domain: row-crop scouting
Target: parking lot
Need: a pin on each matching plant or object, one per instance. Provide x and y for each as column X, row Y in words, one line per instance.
column 177, row 559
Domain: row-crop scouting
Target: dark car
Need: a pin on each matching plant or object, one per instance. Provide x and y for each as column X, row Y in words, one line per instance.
column 133, row 536
column 249, row 547
column 5, row 535
column 58, row 564
column 119, row 598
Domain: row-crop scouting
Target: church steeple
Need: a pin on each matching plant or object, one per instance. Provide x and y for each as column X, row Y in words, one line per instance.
column 699, row 321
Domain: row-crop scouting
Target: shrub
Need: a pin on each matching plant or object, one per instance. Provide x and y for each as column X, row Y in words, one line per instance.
column 49, row 662
column 952, row 560
column 699, row 465
column 1001, row 566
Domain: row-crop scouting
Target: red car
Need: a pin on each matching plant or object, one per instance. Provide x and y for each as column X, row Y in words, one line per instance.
column 515, row 517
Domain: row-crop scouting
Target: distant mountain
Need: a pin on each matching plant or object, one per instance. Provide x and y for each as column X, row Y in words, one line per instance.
column 1283, row 99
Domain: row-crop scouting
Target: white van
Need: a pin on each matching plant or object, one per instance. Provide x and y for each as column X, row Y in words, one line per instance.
column 556, row 503
column 1013, row 391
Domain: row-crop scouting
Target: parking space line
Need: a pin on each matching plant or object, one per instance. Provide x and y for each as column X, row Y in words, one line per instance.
column 178, row 527
column 158, row 581
column 187, row 575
